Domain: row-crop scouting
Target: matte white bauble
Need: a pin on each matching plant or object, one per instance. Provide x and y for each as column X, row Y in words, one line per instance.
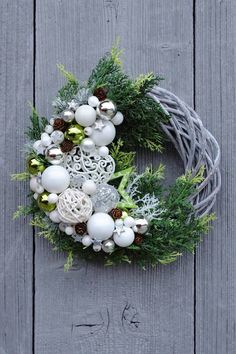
column 36, row 196
column 87, row 145
column 45, row 139
column 100, row 226
column 85, row 115
column 89, row 187
column 105, row 136
column 69, row 230
column 39, row 189
column 38, row 147
column 129, row 221
column 97, row 247
column 118, row 119
column 87, row 241
column 52, row 198
column 93, row 101
column 55, row 179
column 124, row 238
column 119, row 223
column 88, row 131
column 62, row 226
column 103, row 151
column 34, row 184
column 55, row 217
column 48, row 129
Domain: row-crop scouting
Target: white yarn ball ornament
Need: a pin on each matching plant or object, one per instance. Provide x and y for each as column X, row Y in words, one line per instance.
column 85, row 115
column 74, row 206
column 55, row 179
column 100, row 226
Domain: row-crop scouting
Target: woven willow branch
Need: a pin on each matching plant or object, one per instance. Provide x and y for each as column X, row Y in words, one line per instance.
column 195, row 145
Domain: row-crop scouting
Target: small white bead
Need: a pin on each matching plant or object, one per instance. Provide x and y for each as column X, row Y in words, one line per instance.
column 69, row 230
column 103, row 151
column 39, row 189
column 87, row 241
column 54, row 216
column 89, row 187
column 93, row 101
column 119, row 223
column 118, row 119
column 52, row 120
column 129, row 221
column 36, row 196
column 52, row 198
column 97, row 248
column 48, row 129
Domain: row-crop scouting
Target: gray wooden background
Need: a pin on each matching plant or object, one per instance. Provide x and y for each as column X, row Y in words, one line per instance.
column 188, row 307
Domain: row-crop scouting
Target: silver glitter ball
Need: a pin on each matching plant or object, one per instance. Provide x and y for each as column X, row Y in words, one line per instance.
column 108, row 246
column 105, row 198
column 106, row 110
column 57, row 137
column 54, row 155
column 68, row 115
column 141, row 226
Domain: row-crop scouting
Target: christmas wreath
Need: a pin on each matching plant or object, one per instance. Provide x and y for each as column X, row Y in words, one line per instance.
column 87, row 198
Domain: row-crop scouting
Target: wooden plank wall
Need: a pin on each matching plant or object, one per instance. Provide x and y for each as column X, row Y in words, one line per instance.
column 184, row 308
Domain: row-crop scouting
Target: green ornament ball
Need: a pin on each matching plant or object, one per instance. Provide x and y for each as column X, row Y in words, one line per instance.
column 75, row 133
column 43, row 202
column 35, row 166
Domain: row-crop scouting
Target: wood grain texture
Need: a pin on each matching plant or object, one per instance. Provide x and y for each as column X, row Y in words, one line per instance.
column 16, row 242
column 215, row 101
column 92, row 309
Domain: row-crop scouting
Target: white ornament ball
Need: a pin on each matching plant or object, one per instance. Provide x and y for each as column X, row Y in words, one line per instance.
column 118, row 119
column 93, row 101
column 48, row 129
column 124, row 238
column 89, row 187
column 39, row 189
column 62, row 226
column 45, row 139
column 105, row 136
column 34, row 184
column 119, row 223
column 52, row 198
column 38, row 147
column 52, row 120
column 88, row 131
column 97, row 247
column 87, row 241
column 69, row 230
column 141, row 226
column 54, row 216
column 87, row 145
column 57, row 137
column 85, row 115
column 55, row 179
column 129, row 221
column 103, row 151
column 100, row 226
column 36, row 196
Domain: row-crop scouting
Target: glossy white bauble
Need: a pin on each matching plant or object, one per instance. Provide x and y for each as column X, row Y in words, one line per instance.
column 100, row 226
column 52, row 198
column 105, row 136
column 85, row 115
column 39, row 189
column 69, row 230
column 124, row 238
column 45, row 139
column 93, row 101
column 87, row 145
column 88, row 131
column 55, row 217
column 55, row 179
column 87, row 241
column 103, row 151
column 89, row 187
column 118, row 119
column 129, row 221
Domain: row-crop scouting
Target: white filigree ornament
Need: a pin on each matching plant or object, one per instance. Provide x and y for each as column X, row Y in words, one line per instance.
column 84, row 166
column 74, row 206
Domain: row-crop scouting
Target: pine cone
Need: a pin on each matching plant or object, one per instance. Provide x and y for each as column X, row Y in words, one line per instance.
column 138, row 240
column 101, row 93
column 66, row 146
column 81, row 228
column 116, row 213
column 59, row 124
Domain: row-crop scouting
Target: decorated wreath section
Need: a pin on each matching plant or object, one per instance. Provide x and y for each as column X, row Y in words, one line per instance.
column 87, row 197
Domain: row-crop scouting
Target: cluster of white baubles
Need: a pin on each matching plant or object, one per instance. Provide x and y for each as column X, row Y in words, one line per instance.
column 74, row 187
